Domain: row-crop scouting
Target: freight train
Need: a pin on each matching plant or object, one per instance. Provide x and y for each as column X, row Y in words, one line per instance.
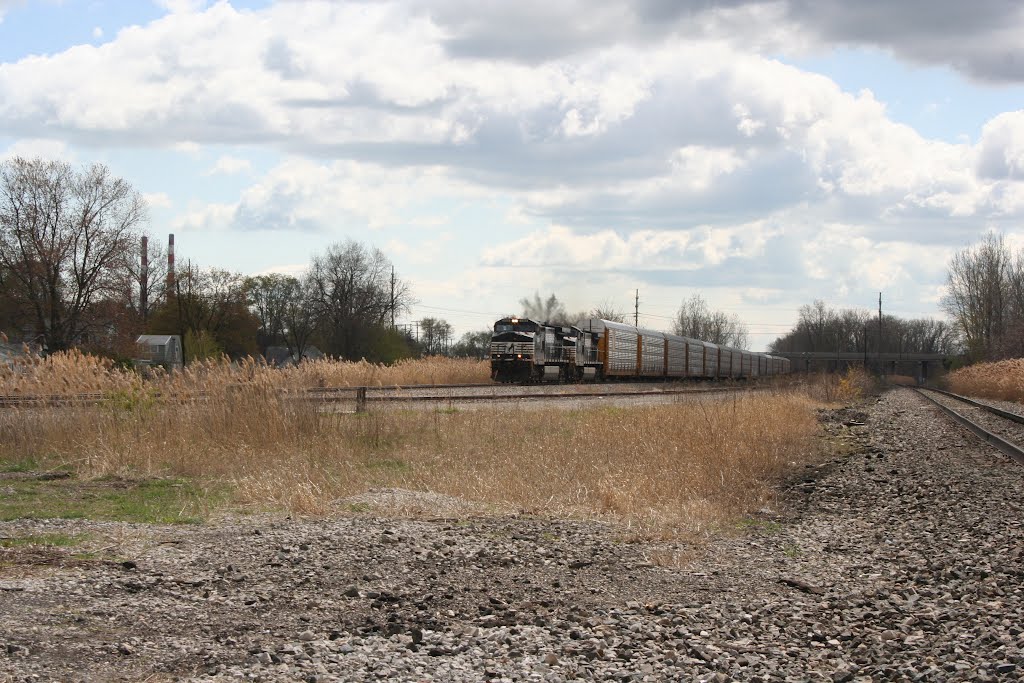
column 524, row 350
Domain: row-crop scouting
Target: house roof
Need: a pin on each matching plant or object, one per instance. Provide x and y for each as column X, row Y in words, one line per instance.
column 155, row 339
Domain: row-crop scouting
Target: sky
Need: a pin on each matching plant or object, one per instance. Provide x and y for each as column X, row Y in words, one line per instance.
column 760, row 154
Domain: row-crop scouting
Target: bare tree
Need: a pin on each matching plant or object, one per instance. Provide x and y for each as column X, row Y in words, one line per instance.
column 65, row 237
column 209, row 308
column 353, row 291
column 299, row 318
column 607, row 311
column 436, row 335
column 696, row 320
column 473, row 344
column 269, row 298
column 821, row 328
column 978, row 287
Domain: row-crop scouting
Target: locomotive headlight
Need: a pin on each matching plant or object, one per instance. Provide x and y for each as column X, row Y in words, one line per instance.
column 519, row 355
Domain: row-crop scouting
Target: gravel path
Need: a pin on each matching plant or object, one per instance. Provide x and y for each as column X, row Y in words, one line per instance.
column 900, row 559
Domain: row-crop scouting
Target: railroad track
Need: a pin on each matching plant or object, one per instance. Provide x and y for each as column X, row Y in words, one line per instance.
column 1000, row 428
column 412, row 393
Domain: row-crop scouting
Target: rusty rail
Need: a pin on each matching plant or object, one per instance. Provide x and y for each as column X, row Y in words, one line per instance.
column 1012, row 450
column 362, row 396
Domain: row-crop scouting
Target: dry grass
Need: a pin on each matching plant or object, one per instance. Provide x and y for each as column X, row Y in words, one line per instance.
column 73, row 372
column 660, row 469
column 1002, row 380
column 834, row 388
column 665, row 468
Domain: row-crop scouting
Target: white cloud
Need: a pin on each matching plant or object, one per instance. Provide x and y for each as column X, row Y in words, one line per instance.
column 656, row 129
column 188, row 147
column 848, row 259
column 46, row 148
column 306, row 196
column 97, row 32
column 158, row 200
column 649, row 250
column 228, row 165
column 1001, row 149
column 424, row 252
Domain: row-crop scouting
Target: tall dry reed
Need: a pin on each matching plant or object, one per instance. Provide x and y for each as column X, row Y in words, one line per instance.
column 73, row 372
column 681, row 466
column 1002, row 380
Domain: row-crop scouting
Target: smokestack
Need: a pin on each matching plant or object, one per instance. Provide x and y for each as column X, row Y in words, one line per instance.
column 144, row 279
column 170, row 265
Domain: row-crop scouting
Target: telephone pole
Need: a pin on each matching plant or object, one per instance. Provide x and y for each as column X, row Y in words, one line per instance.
column 880, row 372
column 392, row 297
column 636, row 310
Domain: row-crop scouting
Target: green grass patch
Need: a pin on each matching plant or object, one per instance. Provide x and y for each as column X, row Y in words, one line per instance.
column 764, row 526
column 153, row 501
column 450, row 410
column 14, row 466
column 46, row 540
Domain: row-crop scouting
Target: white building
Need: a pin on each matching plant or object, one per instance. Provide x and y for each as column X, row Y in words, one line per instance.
column 160, row 349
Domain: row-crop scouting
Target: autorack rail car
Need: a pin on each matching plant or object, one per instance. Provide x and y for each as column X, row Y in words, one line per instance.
column 524, row 350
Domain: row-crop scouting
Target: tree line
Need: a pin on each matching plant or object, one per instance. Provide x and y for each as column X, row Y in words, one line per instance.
column 821, row 328
column 984, row 299
column 985, row 296
column 72, row 275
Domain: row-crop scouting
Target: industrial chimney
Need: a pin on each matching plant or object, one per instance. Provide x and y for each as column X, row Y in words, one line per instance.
column 170, row 266
column 144, row 279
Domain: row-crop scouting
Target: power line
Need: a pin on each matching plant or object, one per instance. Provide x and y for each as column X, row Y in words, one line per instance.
column 454, row 310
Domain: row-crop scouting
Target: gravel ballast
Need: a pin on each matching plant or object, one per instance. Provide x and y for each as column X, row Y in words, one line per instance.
column 900, row 559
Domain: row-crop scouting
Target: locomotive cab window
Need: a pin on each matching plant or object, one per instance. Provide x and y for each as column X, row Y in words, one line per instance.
column 518, row 326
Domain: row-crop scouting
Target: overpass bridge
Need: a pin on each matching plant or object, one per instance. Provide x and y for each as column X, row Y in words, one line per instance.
column 911, row 364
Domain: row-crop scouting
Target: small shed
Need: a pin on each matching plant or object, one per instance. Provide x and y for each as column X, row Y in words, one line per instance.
column 160, row 349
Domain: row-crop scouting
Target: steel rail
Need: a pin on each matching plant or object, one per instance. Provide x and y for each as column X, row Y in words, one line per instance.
column 528, row 397
column 1015, row 417
column 341, row 394
column 1012, row 450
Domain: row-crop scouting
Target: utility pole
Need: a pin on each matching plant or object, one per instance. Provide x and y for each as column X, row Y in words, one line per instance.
column 865, row 338
column 392, row 297
column 636, row 310
column 171, row 289
column 880, row 370
column 144, row 280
